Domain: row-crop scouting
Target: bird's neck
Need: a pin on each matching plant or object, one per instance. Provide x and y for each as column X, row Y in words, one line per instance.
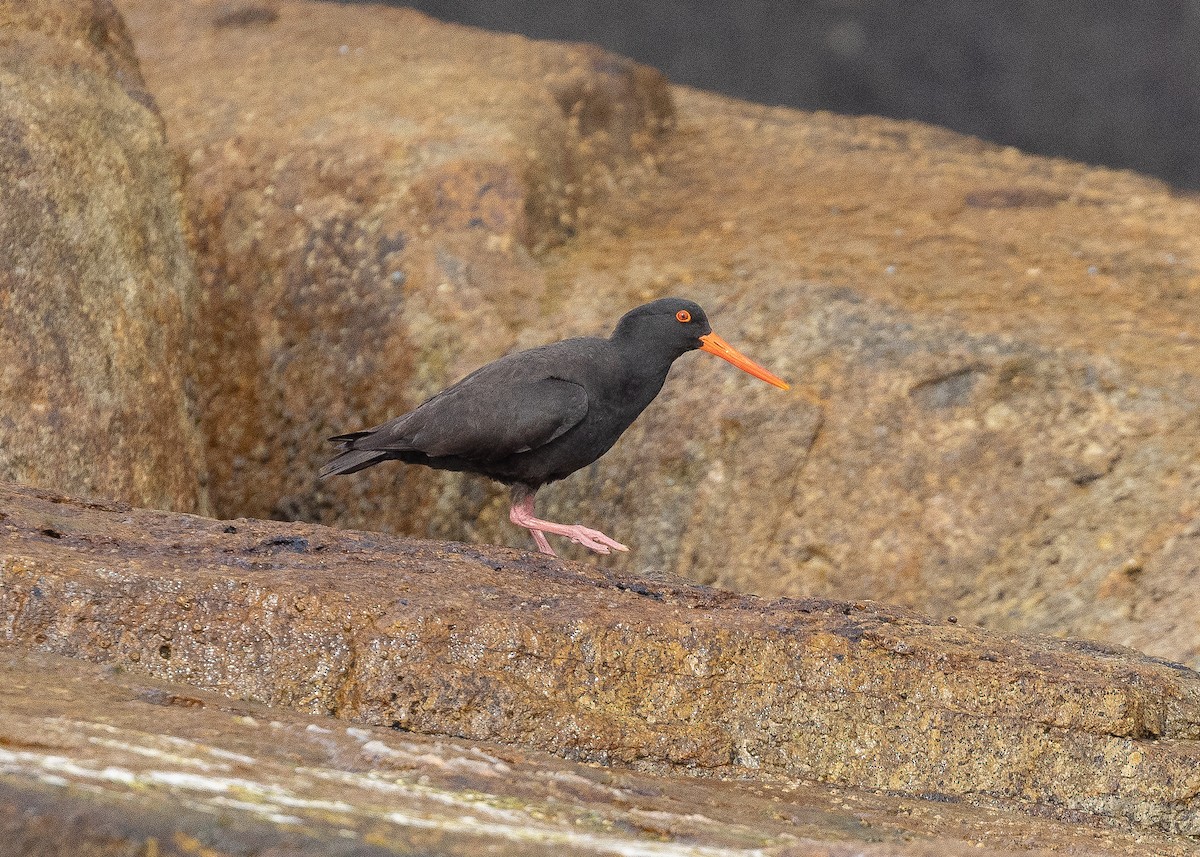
column 646, row 366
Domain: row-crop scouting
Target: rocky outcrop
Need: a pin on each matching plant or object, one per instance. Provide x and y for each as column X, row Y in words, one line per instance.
column 358, row 252
column 603, row 666
column 1000, row 424
column 96, row 282
column 1004, row 344
column 112, row 762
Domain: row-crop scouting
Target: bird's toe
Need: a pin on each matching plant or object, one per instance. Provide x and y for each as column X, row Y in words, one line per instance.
column 595, row 540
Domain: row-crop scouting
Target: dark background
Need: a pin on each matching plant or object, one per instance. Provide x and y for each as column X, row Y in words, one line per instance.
column 1115, row 83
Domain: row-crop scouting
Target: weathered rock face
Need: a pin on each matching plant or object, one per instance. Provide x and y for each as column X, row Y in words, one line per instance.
column 1006, row 345
column 344, row 243
column 96, row 282
column 1007, row 348
column 599, row 665
column 997, row 437
column 110, row 762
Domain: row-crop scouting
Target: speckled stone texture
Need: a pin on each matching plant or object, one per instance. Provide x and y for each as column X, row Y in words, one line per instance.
column 111, row 762
column 96, row 281
column 1005, row 345
column 999, row 423
column 358, row 251
column 603, row 666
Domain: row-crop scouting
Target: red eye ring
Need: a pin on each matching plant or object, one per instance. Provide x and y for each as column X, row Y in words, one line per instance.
column 683, row 316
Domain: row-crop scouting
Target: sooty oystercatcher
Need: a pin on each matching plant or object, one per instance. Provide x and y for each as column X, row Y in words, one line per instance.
column 537, row 416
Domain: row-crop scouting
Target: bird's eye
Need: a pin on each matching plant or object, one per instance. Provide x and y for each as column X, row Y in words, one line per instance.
column 683, row 316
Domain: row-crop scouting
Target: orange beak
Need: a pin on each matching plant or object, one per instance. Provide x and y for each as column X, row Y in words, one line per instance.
column 714, row 344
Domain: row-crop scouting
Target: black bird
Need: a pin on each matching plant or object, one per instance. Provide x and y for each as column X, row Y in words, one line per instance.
column 537, row 416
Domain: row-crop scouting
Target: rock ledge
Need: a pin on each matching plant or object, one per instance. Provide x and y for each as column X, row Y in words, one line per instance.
column 493, row 644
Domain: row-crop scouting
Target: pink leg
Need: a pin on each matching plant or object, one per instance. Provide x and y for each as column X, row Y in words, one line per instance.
column 543, row 545
column 522, row 515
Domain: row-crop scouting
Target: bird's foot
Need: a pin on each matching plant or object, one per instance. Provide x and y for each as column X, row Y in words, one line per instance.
column 593, row 540
column 522, row 515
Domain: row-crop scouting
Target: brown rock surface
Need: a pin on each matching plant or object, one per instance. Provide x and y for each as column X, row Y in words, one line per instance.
column 347, row 242
column 96, row 282
column 110, row 762
column 1006, row 344
column 1005, row 347
column 599, row 665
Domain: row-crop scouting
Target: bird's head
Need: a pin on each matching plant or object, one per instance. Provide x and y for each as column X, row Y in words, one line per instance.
column 675, row 326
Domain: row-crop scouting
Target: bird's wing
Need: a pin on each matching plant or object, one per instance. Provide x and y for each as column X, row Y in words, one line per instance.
column 485, row 418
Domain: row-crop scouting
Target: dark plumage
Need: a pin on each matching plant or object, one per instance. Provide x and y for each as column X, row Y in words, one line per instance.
column 537, row 416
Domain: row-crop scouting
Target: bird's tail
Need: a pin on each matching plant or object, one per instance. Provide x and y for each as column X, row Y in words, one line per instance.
column 349, row 437
column 352, row 461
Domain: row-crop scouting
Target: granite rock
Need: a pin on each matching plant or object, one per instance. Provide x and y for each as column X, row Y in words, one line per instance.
column 110, row 762
column 602, row 666
column 357, row 251
column 96, row 281
column 1000, row 415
